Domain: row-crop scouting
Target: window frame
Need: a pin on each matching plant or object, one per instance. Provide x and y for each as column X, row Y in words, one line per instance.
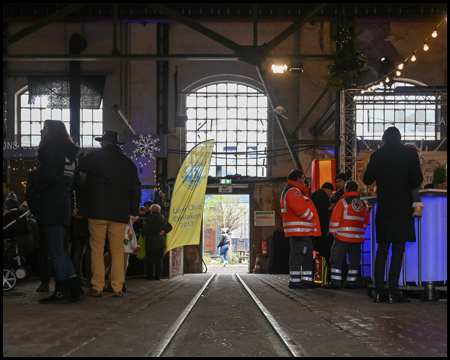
column 86, row 137
column 216, row 111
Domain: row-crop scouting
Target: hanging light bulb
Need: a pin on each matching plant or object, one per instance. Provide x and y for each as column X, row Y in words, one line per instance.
column 425, row 46
column 381, row 83
column 362, row 91
column 387, row 79
column 398, row 73
column 434, row 34
column 400, row 66
column 413, row 58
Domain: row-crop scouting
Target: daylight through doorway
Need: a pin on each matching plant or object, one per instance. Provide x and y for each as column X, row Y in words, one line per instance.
column 231, row 212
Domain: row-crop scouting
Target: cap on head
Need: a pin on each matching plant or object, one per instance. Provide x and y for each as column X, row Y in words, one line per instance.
column 341, row 176
column 327, row 185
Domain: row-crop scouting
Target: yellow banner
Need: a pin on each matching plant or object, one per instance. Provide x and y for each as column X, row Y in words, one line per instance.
column 188, row 197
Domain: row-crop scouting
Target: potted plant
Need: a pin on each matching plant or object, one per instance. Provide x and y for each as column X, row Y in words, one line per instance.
column 440, row 177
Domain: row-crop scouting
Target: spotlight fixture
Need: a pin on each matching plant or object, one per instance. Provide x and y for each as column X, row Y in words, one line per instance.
column 122, row 118
column 279, row 69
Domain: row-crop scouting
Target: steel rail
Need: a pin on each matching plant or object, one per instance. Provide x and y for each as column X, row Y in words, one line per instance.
column 295, row 349
column 162, row 345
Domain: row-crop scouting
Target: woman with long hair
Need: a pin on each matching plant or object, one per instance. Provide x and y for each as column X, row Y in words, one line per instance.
column 55, row 176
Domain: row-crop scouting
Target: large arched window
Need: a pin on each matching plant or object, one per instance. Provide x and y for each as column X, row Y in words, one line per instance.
column 235, row 116
column 31, row 117
column 412, row 112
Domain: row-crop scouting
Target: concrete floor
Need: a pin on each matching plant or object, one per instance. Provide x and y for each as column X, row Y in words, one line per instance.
column 323, row 322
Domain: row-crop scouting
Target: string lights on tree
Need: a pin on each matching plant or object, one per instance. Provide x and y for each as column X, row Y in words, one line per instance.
column 397, row 72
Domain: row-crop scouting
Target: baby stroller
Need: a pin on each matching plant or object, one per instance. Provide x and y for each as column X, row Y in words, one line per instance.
column 18, row 242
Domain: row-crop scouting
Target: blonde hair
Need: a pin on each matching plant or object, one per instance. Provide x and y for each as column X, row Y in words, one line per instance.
column 413, row 146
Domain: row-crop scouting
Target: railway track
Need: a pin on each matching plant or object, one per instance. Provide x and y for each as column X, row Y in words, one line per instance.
column 221, row 321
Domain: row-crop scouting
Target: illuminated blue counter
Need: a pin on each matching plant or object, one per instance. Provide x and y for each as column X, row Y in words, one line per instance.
column 425, row 261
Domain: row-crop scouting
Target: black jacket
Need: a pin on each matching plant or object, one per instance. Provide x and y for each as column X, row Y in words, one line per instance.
column 54, row 180
column 224, row 240
column 322, row 202
column 396, row 170
column 112, row 188
column 153, row 225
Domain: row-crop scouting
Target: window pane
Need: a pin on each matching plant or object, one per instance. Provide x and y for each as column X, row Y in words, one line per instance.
column 191, row 101
column 86, row 128
column 212, row 100
column 86, row 115
column 252, row 113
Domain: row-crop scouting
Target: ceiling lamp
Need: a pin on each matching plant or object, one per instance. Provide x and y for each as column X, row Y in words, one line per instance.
column 279, row 69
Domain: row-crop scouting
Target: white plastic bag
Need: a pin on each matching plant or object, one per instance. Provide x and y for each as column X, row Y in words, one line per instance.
column 130, row 240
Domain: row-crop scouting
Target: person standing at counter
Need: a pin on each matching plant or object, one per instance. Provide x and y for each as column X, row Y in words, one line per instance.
column 396, row 170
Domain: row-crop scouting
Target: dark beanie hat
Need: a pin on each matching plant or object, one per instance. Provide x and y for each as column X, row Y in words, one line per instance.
column 328, row 186
column 341, row 176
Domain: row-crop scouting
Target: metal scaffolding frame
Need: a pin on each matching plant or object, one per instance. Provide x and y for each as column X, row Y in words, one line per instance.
column 436, row 95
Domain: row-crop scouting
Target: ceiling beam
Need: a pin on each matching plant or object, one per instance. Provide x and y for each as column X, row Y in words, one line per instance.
column 277, row 40
column 195, row 26
column 44, row 22
column 144, row 57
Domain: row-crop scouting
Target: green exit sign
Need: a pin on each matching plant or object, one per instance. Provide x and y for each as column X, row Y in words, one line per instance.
column 225, row 181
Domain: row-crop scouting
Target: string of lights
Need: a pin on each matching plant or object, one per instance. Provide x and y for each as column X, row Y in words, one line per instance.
column 397, row 72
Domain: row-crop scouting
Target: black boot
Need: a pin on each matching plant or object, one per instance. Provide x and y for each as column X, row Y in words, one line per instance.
column 61, row 294
column 44, row 287
column 76, row 292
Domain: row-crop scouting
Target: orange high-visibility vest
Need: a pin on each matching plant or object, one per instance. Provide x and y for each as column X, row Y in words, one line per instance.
column 299, row 214
column 350, row 218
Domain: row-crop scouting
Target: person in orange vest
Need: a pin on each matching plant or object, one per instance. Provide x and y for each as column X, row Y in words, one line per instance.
column 300, row 223
column 348, row 223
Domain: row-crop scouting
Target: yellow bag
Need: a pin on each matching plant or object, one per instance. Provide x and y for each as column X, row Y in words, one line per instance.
column 141, row 242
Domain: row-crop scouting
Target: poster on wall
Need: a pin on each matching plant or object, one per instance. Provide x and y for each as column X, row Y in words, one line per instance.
column 264, row 218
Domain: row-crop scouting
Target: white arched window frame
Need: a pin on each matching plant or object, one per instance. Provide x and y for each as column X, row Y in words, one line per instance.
column 413, row 115
column 31, row 117
column 235, row 116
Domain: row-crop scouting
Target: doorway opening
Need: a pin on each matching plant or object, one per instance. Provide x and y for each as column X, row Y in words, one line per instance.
column 231, row 212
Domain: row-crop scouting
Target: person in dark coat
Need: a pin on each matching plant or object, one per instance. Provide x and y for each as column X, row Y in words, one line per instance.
column 396, row 170
column 43, row 249
column 113, row 193
column 155, row 230
column 321, row 199
column 55, row 175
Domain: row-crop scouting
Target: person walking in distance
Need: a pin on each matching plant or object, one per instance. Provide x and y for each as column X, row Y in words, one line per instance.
column 396, row 170
column 54, row 180
column 224, row 245
column 113, row 193
column 300, row 223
